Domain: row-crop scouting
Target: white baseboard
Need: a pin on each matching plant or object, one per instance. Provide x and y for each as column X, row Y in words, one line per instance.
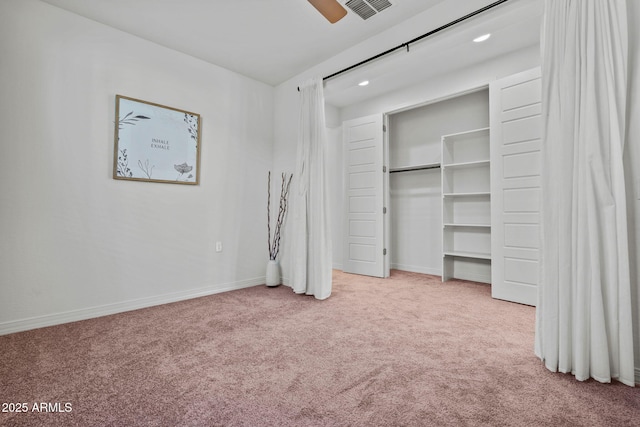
column 474, row 278
column 120, row 307
column 638, row 377
column 285, row 281
column 417, row 269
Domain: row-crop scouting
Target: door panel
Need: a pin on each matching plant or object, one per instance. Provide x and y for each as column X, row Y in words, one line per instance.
column 363, row 192
column 516, row 131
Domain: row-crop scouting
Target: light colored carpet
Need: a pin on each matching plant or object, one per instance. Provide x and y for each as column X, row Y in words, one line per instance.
column 403, row 351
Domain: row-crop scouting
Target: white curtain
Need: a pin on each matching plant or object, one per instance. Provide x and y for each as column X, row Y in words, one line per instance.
column 584, row 317
column 311, row 260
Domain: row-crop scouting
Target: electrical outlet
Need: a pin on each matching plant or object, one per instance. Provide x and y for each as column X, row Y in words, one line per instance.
column 218, row 246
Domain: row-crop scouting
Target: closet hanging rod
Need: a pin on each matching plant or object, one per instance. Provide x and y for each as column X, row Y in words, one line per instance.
column 415, row 168
column 406, row 45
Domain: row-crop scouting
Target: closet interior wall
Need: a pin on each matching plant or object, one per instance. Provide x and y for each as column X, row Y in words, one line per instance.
column 415, row 205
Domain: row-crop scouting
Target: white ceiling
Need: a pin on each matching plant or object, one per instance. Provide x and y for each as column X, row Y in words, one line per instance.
column 514, row 26
column 274, row 40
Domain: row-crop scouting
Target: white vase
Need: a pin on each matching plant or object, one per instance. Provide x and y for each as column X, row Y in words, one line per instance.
column 273, row 273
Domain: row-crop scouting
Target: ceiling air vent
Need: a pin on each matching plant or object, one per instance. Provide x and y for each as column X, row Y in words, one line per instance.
column 379, row 5
column 365, row 9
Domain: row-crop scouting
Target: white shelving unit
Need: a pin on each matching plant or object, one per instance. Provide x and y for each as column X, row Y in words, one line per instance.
column 466, row 206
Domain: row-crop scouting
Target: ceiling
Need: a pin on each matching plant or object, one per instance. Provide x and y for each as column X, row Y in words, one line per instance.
column 274, row 40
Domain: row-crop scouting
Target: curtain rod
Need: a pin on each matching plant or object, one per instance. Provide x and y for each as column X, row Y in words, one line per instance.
column 406, row 45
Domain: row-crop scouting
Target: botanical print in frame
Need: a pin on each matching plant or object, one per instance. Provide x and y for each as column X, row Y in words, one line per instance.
column 155, row 143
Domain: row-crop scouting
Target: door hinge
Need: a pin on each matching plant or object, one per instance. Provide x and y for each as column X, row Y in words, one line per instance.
column 384, row 210
column 384, row 128
column 384, row 251
column 384, row 169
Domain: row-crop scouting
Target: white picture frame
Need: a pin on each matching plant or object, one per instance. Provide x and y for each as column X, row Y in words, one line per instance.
column 156, row 143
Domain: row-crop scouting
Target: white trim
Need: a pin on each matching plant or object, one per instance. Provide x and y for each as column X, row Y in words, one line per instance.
column 474, row 278
column 120, row 307
column 638, row 377
column 417, row 269
column 285, row 281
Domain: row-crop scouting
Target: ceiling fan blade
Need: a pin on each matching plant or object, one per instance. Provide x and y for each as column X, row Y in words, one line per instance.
column 330, row 9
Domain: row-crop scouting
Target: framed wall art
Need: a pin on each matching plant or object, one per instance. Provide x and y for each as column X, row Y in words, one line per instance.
column 155, row 143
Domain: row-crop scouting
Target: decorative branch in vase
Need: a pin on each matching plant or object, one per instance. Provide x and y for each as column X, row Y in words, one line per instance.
column 274, row 245
column 273, row 269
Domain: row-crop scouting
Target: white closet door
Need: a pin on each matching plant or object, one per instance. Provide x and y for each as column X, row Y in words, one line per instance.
column 363, row 190
column 516, row 131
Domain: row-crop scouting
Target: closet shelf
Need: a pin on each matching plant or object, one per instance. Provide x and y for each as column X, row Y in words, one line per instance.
column 475, row 255
column 464, row 133
column 415, row 168
column 466, row 225
column 451, row 224
column 478, row 193
column 467, row 164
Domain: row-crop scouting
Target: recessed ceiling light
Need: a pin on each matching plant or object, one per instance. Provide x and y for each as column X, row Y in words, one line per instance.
column 363, row 83
column 482, row 38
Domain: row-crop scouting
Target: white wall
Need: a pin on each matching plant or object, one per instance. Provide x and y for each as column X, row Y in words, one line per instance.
column 334, row 154
column 76, row 243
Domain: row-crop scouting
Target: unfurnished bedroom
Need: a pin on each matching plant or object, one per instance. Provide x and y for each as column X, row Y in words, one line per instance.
column 319, row 213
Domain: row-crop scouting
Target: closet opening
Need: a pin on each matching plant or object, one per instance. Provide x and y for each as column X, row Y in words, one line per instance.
column 438, row 194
